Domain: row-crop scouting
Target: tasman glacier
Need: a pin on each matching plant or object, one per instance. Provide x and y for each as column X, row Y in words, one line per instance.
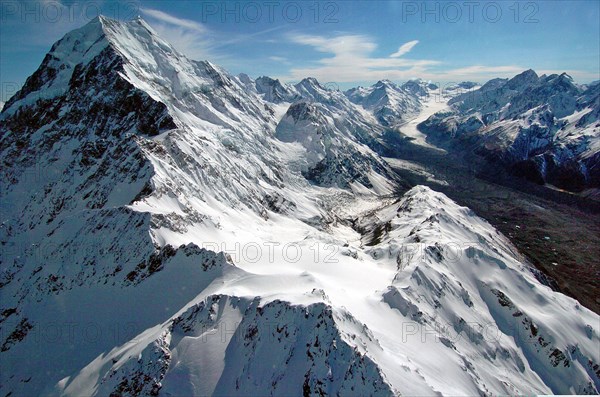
column 170, row 229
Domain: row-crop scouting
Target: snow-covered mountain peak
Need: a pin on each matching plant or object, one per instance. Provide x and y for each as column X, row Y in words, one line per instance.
column 493, row 84
column 245, row 236
column 134, row 39
column 136, row 44
column 416, row 87
column 385, row 84
column 522, row 80
column 310, row 82
column 79, row 46
column 563, row 83
column 310, row 88
column 390, row 104
column 274, row 91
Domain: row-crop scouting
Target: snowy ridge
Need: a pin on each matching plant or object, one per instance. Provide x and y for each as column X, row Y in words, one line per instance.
column 192, row 232
column 463, row 303
column 244, row 348
column 543, row 128
column 456, row 271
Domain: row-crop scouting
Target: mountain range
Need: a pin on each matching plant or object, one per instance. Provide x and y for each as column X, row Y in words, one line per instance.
column 542, row 128
column 171, row 229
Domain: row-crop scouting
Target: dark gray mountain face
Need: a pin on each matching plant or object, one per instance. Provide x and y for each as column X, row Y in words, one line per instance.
column 542, row 128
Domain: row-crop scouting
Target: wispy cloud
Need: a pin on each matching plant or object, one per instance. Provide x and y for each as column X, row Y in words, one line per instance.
column 196, row 40
column 352, row 60
column 248, row 37
column 172, row 20
column 190, row 37
column 279, row 59
column 349, row 59
column 340, row 46
column 404, row 48
column 481, row 69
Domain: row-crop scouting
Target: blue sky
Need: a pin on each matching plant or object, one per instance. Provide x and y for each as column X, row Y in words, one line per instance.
column 347, row 42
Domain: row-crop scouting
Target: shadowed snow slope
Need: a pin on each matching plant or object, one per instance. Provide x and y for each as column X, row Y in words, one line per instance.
column 170, row 229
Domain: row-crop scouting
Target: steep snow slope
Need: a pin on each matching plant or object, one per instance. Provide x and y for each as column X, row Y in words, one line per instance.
column 462, row 281
column 337, row 139
column 544, row 128
column 169, row 229
column 428, row 299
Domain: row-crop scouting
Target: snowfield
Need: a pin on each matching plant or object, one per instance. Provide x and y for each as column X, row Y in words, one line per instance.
column 170, row 229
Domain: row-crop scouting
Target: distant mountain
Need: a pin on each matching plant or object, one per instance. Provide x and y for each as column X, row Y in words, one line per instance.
column 543, row 128
column 274, row 91
column 170, row 229
column 419, row 87
column 391, row 105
